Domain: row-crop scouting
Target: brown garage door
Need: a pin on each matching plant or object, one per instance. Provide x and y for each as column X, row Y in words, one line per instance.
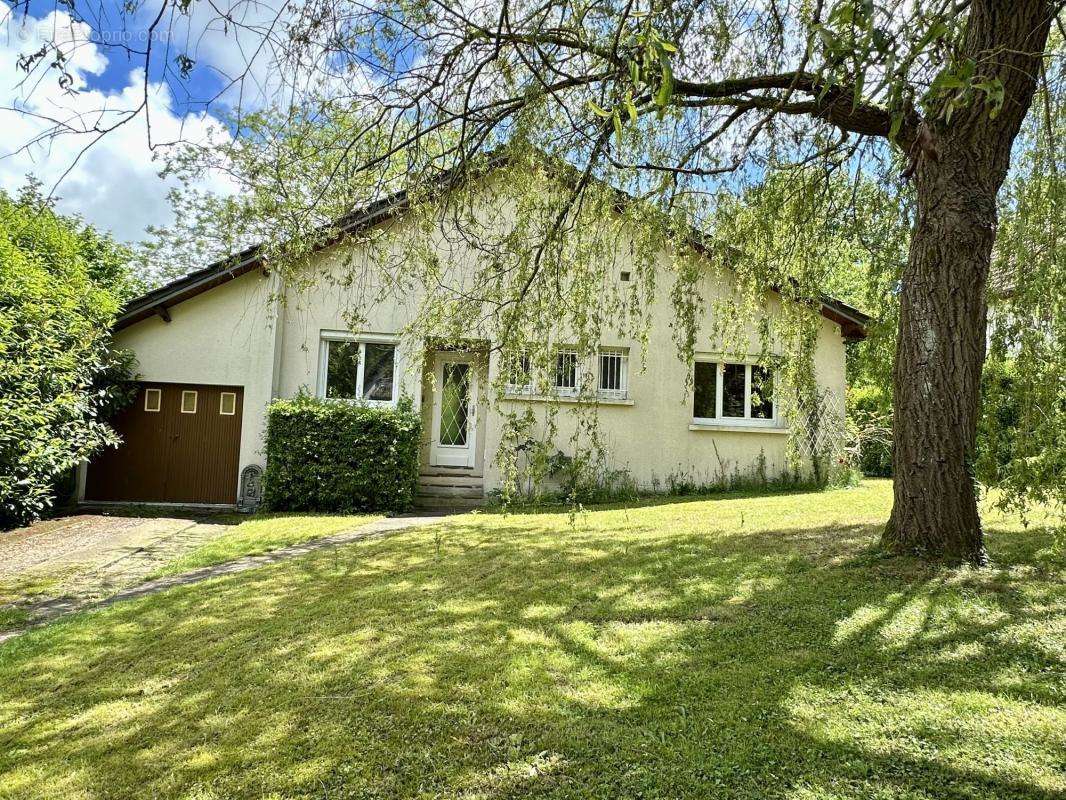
column 180, row 444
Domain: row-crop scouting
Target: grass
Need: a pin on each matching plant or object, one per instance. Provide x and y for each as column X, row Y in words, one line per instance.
column 261, row 534
column 18, row 590
column 753, row 647
column 32, row 585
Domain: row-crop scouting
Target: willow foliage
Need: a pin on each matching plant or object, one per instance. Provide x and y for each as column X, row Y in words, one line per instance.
column 1026, row 455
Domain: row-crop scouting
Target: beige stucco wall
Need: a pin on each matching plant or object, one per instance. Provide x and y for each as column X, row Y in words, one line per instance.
column 650, row 436
column 225, row 337
column 236, row 335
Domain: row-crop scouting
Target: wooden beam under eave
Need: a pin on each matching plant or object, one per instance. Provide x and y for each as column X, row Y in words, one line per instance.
column 163, row 312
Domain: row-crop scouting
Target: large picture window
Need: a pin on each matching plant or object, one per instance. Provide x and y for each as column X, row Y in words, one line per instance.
column 726, row 394
column 353, row 369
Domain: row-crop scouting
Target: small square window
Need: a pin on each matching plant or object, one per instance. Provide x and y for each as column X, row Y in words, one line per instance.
column 625, row 276
column 227, row 404
column 520, row 374
column 613, row 378
column 355, row 370
column 153, row 399
column 740, row 392
column 566, row 372
column 188, row 402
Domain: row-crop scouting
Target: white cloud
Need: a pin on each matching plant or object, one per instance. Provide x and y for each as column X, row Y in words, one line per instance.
column 248, row 46
column 115, row 183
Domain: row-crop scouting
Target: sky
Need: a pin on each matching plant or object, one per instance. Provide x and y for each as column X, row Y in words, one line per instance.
column 115, row 183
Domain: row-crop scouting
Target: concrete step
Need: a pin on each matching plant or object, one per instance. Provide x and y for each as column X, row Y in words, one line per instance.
column 471, row 492
column 450, row 472
column 448, row 481
column 425, row 502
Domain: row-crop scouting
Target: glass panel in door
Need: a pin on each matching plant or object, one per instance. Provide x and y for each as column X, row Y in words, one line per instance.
column 455, row 404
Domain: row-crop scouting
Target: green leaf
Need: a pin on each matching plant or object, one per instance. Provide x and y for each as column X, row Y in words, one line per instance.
column 666, row 87
column 860, row 79
column 934, row 32
column 617, row 119
column 893, row 129
column 993, row 90
column 599, row 112
column 946, row 81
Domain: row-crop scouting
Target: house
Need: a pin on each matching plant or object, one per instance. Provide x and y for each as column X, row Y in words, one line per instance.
column 215, row 347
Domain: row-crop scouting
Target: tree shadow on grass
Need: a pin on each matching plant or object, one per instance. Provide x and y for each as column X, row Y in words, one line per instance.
column 653, row 500
column 504, row 663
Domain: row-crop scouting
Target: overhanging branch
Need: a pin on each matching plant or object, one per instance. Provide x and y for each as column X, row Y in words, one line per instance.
column 835, row 104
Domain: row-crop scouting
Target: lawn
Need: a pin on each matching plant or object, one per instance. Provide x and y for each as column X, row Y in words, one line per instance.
column 261, row 534
column 740, row 647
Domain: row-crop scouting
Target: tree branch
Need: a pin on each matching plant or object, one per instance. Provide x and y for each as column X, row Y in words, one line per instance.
column 834, row 104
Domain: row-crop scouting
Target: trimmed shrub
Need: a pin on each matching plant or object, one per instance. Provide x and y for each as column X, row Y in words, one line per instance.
column 326, row 455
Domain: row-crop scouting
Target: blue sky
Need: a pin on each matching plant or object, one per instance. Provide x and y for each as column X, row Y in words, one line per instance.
column 111, row 28
column 114, row 184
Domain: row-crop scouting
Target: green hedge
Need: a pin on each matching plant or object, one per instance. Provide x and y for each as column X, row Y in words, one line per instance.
column 325, row 455
column 869, row 408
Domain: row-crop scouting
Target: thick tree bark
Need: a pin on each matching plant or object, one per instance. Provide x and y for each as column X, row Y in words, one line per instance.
column 940, row 348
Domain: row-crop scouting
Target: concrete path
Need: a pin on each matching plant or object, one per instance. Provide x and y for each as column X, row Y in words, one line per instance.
column 48, row 610
column 92, row 540
column 87, row 557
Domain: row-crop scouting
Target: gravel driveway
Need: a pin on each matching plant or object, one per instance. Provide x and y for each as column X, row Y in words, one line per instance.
column 73, row 560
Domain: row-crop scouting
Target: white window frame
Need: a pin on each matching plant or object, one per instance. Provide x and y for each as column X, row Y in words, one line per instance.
column 222, row 407
column 521, row 389
column 579, row 373
column 584, row 368
column 747, row 420
column 158, row 394
column 621, row 393
column 195, row 400
column 362, row 339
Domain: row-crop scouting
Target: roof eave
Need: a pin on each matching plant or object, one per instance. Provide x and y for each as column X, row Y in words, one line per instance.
column 852, row 321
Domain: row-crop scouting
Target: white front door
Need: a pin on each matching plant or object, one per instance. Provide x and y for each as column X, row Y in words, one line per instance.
column 454, row 410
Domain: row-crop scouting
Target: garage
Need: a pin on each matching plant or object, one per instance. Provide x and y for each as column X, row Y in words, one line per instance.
column 180, row 444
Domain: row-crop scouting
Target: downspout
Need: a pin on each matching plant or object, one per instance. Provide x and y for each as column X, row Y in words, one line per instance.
column 277, row 313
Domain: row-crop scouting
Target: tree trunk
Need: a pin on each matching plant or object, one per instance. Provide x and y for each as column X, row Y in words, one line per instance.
column 940, row 349
column 939, row 353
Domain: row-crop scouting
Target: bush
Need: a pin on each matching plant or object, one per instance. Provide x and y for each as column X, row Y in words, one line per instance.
column 61, row 285
column 325, row 455
column 997, row 426
column 870, row 417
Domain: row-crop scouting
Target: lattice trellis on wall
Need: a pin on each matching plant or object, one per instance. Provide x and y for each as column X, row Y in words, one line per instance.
column 820, row 430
